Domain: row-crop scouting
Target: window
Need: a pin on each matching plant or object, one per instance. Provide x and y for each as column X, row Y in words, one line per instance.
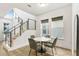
column 57, row 27
column 10, row 13
column 6, row 27
column 31, row 25
column 44, row 27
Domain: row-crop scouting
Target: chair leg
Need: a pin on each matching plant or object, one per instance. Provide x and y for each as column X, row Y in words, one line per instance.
column 29, row 52
column 52, row 52
column 55, row 49
column 36, row 53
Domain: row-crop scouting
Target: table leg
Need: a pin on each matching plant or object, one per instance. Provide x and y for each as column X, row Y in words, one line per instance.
column 41, row 48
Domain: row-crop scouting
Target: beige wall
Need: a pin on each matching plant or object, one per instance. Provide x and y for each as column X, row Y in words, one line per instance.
column 66, row 12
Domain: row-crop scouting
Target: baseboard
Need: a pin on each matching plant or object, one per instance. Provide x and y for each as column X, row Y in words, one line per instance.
column 64, row 48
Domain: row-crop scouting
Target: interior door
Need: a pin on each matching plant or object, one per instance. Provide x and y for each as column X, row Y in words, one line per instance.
column 77, row 42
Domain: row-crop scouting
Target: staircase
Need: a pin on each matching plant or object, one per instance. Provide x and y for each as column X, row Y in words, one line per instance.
column 18, row 35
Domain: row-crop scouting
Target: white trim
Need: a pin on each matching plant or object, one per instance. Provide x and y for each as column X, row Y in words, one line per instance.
column 74, row 33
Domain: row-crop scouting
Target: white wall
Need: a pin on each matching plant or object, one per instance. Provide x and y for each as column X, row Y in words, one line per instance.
column 66, row 12
column 1, row 30
column 19, row 13
column 23, row 15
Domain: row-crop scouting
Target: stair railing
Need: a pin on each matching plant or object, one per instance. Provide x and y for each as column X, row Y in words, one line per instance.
column 17, row 31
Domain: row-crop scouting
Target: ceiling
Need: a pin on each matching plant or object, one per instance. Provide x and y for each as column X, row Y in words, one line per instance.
column 32, row 8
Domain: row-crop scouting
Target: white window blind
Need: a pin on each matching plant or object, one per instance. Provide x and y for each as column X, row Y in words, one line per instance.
column 57, row 29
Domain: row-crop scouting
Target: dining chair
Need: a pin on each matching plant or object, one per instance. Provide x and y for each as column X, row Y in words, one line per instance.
column 32, row 36
column 33, row 45
column 51, row 44
column 48, row 36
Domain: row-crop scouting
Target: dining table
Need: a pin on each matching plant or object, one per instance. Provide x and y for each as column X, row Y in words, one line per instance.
column 42, row 40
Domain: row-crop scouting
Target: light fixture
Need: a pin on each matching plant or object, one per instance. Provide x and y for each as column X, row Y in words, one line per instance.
column 29, row 5
column 42, row 4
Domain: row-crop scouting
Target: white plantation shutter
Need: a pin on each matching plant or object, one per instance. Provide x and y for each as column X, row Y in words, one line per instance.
column 57, row 29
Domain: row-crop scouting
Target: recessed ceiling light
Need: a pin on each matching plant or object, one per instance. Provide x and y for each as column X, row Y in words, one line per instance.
column 42, row 4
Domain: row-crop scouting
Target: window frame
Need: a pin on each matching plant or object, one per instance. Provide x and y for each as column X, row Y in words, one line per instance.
column 46, row 22
column 57, row 19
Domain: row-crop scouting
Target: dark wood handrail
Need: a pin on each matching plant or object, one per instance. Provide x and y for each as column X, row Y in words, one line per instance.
column 16, row 26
